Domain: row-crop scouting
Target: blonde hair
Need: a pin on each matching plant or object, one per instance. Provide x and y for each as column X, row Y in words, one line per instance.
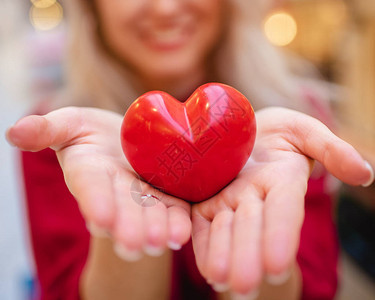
column 245, row 60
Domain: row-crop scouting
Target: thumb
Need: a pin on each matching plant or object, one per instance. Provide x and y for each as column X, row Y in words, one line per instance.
column 54, row 130
column 339, row 157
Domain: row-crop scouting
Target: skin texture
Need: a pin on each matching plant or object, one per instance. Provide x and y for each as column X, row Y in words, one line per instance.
column 170, row 40
column 267, row 196
column 141, row 279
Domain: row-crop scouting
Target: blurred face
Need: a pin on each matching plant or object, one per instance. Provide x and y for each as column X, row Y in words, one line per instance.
column 161, row 39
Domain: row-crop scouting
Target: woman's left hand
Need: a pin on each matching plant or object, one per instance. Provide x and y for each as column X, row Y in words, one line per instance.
column 252, row 227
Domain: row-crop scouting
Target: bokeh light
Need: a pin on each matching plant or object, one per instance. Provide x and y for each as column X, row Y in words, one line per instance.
column 43, row 3
column 280, row 28
column 46, row 18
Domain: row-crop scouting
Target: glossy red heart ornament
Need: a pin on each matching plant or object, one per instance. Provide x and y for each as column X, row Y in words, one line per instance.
column 193, row 149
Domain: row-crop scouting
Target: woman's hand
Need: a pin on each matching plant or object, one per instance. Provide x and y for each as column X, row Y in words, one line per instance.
column 109, row 194
column 252, row 227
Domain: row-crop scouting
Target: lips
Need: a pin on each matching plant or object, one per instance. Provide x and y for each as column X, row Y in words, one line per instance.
column 168, row 37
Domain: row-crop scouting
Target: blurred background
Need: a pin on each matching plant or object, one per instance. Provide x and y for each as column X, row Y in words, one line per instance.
column 337, row 36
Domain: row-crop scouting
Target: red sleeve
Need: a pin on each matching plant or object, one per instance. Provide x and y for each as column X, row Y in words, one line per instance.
column 319, row 249
column 59, row 236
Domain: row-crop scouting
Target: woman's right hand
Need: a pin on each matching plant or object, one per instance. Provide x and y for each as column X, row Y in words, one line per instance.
column 109, row 193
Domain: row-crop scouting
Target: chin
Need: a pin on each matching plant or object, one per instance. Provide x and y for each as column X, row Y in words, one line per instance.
column 170, row 71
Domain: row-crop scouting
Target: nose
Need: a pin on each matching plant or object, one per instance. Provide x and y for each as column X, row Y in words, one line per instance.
column 165, row 7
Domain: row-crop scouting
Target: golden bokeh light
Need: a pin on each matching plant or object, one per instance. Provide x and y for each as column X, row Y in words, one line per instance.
column 43, row 3
column 280, row 28
column 46, row 18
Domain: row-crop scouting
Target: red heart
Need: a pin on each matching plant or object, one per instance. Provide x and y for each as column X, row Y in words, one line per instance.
column 190, row 150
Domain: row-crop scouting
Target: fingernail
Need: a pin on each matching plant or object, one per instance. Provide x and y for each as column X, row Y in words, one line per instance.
column 153, row 251
column 371, row 180
column 220, row 287
column 278, row 279
column 174, row 246
column 250, row 296
column 8, row 138
column 126, row 254
column 97, row 231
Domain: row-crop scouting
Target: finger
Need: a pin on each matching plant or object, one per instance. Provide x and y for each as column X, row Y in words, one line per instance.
column 217, row 262
column 314, row 139
column 178, row 213
column 34, row 133
column 155, row 219
column 179, row 227
column 55, row 129
column 128, row 228
column 246, row 265
column 200, row 236
column 283, row 217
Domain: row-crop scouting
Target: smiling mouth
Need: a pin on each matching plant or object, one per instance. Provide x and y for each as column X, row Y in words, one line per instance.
column 169, row 38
